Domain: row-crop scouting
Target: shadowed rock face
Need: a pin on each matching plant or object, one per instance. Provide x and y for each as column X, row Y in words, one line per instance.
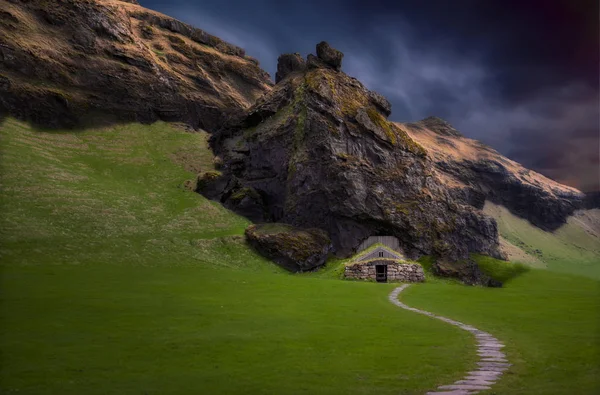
column 318, row 152
column 112, row 61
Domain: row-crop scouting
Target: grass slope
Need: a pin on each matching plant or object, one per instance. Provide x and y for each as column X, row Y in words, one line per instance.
column 111, row 195
column 115, row 279
column 570, row 249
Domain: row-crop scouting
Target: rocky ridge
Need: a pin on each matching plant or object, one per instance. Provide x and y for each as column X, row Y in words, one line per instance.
column 89, row 61
column 474, row 173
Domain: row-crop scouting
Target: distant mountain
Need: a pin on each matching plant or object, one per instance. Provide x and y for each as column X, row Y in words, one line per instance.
column 74, row 62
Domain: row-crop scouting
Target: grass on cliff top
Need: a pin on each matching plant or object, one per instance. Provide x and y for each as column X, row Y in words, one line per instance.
column 115, row 280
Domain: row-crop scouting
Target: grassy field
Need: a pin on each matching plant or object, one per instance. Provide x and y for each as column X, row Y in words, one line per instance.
column 549, row 322
column 116, row 279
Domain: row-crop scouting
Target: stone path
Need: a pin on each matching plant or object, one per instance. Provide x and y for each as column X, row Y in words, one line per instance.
column 492, row 361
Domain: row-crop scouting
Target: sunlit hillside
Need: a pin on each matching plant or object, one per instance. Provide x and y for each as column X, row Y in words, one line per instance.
column 573, row 248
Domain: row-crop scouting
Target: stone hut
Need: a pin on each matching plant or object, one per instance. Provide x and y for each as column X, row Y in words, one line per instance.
column 384, row 264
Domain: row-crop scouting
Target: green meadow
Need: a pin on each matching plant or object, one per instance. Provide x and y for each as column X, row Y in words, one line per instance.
column 116, row 279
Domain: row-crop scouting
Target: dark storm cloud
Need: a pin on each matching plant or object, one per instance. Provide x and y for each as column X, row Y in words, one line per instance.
column 522, row 76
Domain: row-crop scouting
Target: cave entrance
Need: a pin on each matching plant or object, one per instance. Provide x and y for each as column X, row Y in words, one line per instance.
column 381, row 273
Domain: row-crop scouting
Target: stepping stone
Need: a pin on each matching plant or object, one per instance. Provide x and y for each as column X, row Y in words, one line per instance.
column 493, row 364
column 465, row 387
column 489, row 349
column 491, row 353
column 499, row 370
column 483, row 354
column 475, row 382
column 459, row 392
column 494, row 360
column 491, row 344
column 496, row 369
column 488, row 380
column 485, row 373
column 491, row 356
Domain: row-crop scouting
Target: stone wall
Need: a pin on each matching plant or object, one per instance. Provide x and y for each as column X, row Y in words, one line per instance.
column 407, row 272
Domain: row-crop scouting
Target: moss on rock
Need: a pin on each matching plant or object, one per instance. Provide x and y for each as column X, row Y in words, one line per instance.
column 244, row 192
column 293, row 248
column 383, row 124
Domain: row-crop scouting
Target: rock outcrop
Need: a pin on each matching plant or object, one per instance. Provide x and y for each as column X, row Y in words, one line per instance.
column 330, row 56
column 289, row 63
column 296, row 250
column 318, row 152
column 475, row 172
column 113, row 61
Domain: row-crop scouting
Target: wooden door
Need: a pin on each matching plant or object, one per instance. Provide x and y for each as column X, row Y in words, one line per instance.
column 381, row 273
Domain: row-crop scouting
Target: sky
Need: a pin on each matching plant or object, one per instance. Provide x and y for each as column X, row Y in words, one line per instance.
column 521, row 76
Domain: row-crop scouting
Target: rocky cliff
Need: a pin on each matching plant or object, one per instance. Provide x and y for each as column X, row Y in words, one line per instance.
column 85, row 61
column 318, row 152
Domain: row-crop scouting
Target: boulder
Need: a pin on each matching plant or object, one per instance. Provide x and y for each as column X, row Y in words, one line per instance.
column 295, row 249
column 287, row 64
column 329, row 55
column 381, row 103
